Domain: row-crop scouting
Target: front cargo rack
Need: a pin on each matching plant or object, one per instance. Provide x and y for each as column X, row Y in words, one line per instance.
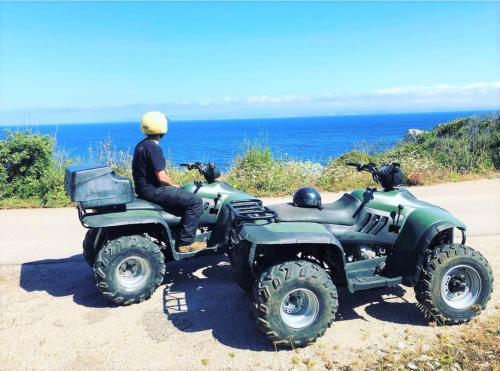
column 250, row 210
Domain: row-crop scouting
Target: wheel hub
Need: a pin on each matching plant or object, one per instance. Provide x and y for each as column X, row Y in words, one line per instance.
column 299, row 308
column 461, row 286
column 458, row 284
column 293, row 302
column 132, row 273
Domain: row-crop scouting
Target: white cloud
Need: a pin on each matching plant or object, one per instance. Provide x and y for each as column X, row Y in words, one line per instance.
column 441, row 89
column 472, row 96
column 437, row 93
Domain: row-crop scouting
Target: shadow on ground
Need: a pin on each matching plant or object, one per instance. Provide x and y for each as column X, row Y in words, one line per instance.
column 63, row 277
column 201, row 295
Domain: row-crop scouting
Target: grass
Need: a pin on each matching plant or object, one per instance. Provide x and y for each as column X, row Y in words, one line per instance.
column 32, row 173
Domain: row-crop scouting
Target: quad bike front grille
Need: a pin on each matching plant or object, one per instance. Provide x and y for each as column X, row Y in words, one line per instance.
column 250, row 210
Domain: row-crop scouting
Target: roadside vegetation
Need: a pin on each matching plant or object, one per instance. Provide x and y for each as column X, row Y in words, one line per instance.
column 32, row 172
column 473, row 346
column 476, row 346
column 462, row 149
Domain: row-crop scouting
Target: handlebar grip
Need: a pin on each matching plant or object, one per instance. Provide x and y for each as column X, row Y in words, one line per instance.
column 186, row 165
column 352, row 164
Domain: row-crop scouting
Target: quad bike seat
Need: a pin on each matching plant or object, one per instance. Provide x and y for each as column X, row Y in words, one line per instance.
column 338, row 212
column 140, row 204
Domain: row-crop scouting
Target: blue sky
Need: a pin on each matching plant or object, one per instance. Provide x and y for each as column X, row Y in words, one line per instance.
column 74, row 62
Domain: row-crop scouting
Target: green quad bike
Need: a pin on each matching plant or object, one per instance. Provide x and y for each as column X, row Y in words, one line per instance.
column 130, row 239
column 293, row 258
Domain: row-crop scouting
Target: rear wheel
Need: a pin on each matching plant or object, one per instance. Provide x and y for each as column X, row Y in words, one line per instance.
column 456, row 285
column 294, row 303
column 128, row 269
column 90, row 248
column 240, row 267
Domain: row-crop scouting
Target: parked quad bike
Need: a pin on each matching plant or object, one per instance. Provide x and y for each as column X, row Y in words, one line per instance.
column 293, row 259
column 130, row 239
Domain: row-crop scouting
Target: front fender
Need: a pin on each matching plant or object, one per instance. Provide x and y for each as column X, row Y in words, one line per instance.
column 268, row 233
column 410, row 249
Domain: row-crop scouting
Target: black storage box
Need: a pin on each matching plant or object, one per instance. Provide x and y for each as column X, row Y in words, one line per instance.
column 96, row 186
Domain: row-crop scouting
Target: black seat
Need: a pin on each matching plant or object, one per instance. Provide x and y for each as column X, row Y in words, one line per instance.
column 140, row 204
column 338, row 212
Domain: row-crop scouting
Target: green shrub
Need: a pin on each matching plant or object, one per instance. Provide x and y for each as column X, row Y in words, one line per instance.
column 337, row 175
column 27, row 169
column 258, row 172
column 464, row 145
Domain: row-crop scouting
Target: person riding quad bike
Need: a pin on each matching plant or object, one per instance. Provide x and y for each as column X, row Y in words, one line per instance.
column 153, row 184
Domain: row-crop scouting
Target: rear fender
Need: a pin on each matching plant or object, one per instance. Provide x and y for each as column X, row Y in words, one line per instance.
column 127, row 218
column 411, row 248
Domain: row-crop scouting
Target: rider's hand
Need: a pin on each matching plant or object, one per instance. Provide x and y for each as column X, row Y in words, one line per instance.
column 164, row 179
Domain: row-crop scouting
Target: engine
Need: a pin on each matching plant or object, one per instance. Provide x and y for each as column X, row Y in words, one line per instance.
column 364, row 252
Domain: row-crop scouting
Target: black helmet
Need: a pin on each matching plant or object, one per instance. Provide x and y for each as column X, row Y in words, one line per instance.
column 307, row 197
column 390, row 176
column 210, row 172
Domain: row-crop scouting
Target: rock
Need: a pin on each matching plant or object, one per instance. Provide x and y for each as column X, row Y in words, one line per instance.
column 412, row 134
column 401, row 345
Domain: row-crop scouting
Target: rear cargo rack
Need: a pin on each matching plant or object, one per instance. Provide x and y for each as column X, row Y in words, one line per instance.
column 250, row 210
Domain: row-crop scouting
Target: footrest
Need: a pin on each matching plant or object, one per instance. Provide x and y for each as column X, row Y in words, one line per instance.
column 365, row 283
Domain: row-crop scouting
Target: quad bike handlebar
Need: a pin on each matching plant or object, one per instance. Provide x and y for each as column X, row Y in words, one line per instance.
column 209, row 171
column 192, row 165
column 370, row 167
column 378, row 174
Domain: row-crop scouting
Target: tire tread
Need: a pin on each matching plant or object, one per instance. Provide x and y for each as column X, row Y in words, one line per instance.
column 423, row 289
column 117, row 246
column 272, row 279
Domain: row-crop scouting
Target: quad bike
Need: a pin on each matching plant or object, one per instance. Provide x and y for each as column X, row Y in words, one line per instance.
column 294, row 258
column 130, row 239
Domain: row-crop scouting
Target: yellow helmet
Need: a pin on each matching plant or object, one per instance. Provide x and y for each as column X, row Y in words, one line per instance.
column 153, row 123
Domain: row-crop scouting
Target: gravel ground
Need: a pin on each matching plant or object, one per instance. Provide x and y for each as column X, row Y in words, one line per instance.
column 51, row 315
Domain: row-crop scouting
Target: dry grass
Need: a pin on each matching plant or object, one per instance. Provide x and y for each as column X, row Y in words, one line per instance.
column 476, row 346
column 473, row 346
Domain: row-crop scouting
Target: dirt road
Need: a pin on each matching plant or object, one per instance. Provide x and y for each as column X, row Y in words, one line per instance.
column 52, row 316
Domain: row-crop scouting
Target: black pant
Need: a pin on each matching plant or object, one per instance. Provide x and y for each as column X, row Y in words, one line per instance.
column 179, row 202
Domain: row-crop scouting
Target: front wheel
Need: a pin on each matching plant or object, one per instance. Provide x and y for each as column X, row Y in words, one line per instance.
column 456, row 285
column 294, row 303
column 129, row 269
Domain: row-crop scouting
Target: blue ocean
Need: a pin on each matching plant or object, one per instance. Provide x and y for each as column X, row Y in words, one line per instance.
column 316, row 139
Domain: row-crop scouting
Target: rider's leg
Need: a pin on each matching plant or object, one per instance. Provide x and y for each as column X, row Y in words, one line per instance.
column 182, row 203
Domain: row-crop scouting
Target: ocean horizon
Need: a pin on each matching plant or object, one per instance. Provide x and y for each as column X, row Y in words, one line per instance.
column 316, row 139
